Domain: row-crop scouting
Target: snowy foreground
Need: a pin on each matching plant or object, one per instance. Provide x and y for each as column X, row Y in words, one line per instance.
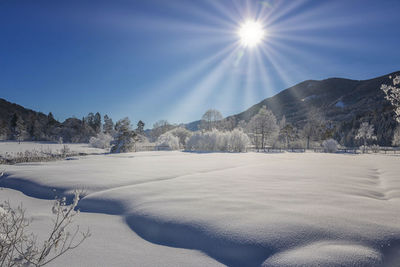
column 251, row 209
column 12, row 147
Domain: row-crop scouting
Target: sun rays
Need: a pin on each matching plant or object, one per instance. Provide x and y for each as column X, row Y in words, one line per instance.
column 252, row 50
column 251, row 33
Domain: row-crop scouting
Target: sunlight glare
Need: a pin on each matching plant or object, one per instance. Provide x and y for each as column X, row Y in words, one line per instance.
column 251, row 33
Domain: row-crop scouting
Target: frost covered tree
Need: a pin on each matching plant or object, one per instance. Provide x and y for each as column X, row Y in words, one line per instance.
column 242, row 125
column 314, row 128
column 125, row 137
column 18, row 247
column 102, row 140
column 287, row 134
column 365, row 133
column 396, row 137
column 309, row 131
column 94, row 121
column 330, row 145
column 182, row 133
column 282, row 122
column 263, row 127
column 167, row 141
column 159, row 128
column 238, row 141
column 108, row 126
column 234, row 141
column 97, row 122
column 227, row 124
column 392, row 93
column 210, row 120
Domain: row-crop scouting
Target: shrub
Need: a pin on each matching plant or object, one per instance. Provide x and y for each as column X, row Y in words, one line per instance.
column 167, row 141
column 235, row 141
column 182, row 133
column 19, row 248
column 330, row 146
column 238, row 141
column 375, row 148
column 102, row 140
column 364, row 149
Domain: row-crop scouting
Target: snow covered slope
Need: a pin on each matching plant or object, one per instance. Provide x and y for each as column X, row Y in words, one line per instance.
column 240, row 209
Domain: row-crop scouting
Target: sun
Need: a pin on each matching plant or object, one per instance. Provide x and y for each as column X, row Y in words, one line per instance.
column 251, row 33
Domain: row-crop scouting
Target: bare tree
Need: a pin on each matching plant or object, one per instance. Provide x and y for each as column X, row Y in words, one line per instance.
column 314, row 128
column 159, row 128
column 227, row 124
column 287, row 134
column 210, row 119
column 19, row 248
column 263, row 127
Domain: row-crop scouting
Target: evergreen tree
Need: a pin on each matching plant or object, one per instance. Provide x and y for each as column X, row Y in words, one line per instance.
column 3, row 130
column 97, row 122
column 108, row 126
column 90, row 120
column 140, row 128
column 20, row 130
column 51, row 120
column 125, row 138
column 13, row 122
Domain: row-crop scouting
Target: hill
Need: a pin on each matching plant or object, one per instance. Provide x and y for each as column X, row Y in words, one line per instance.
column 337, row 99
column 17, row 122
column 344, row 103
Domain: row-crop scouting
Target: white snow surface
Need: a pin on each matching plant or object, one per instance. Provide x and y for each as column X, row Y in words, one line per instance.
column 239, row 209
column 15, row 147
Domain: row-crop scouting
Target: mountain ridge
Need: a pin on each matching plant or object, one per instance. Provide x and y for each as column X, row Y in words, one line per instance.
column 343, row 97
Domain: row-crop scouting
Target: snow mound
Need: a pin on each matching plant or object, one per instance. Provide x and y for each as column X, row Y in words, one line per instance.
column 240, row 209
column 327, row 253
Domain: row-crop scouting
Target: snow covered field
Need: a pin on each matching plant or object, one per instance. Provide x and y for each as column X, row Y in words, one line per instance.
column 210, row 209
column 12, row 147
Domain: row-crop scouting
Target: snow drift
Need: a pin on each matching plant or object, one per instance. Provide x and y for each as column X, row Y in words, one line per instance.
column 241, row 209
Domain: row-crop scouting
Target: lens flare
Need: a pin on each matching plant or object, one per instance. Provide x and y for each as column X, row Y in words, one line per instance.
column 251, row 33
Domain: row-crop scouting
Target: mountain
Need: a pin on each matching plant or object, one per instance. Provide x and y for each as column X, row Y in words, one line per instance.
column 193, row 126
column 336, row 99
column 344, row 103
column 17, row 122
column 9, row 110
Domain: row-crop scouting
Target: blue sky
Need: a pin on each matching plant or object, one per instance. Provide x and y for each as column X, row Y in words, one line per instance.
column 158, row 59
